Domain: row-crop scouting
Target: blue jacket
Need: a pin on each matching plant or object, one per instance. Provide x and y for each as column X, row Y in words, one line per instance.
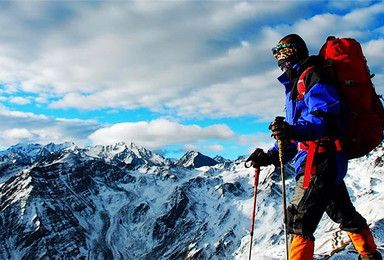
column 316, row 115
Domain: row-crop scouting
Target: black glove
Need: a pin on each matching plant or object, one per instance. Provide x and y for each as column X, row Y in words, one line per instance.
column 281, row 130
column 260, row 158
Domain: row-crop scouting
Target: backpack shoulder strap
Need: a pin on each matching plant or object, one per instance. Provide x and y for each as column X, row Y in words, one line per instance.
column 301, row 89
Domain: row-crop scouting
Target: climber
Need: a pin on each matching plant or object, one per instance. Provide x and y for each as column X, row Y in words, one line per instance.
column 310, row 133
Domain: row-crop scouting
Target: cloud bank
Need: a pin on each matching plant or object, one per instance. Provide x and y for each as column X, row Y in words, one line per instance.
column 184, row 60
column 159, row 133
column 163, row 55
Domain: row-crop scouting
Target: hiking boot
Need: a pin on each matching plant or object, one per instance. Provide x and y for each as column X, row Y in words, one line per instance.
column 374, row 256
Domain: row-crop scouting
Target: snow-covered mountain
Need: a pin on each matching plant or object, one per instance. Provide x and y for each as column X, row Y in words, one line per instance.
column 195, row 160
column 126, row 202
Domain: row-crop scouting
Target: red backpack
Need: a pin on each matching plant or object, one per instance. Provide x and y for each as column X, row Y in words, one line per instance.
column 365, row 113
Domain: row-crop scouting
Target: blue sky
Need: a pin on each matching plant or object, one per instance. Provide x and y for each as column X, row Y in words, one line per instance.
column 172, row 76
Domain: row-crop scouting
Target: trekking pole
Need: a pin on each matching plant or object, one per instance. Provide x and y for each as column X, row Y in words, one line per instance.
column 257, row 171
column 280, row 144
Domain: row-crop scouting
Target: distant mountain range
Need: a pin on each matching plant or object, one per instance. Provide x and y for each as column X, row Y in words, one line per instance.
column 122, row 201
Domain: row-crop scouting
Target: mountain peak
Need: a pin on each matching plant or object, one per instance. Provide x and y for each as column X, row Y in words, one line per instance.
column 129, row 154
column 193, row 159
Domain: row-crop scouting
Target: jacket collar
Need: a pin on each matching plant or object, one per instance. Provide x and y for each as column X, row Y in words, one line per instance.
column 294, row 73
column 291, row 76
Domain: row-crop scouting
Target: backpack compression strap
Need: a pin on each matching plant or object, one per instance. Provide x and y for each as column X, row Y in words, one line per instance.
column 312, row 148
column 300, row 84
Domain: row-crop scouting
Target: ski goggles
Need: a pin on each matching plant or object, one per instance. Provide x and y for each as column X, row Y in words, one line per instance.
column 284, row 50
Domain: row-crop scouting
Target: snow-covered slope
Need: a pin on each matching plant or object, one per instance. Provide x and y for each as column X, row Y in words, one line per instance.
column 125, row 202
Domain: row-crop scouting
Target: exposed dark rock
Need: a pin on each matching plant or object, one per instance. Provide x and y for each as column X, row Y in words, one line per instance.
column 195, row 160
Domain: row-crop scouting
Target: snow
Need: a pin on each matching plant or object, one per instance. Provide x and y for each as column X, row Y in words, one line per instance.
column 222, row 194
column 366, row 186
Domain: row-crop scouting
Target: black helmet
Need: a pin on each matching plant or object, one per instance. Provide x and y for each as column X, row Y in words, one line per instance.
column 289, row 51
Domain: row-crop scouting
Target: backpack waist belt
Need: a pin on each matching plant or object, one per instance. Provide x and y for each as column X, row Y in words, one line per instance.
column 312, row 148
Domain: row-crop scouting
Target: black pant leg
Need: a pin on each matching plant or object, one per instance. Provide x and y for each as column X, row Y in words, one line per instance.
column 341, row 210
column 306, row 207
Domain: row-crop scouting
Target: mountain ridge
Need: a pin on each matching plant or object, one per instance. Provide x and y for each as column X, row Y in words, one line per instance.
column 126, row 202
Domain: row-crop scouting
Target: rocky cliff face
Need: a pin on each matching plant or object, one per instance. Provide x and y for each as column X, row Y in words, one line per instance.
column 112, row 202
column 125, row 202
column 196, row 160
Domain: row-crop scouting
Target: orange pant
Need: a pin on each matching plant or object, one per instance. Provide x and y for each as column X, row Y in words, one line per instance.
column 302, row 248
column 363, row 242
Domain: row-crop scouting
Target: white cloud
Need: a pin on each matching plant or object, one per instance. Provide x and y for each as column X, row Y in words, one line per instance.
column 190, row 147
column 360, row 22
column 20, row 100
column 156, row 135
column 42, row 98
column 215, row 148
column 17, row 134
column 132, row 54
column 159, row 133
column 347, row 4
column 257, row 95
column 189, row 59
column 22, row 126
column 374, row 53
column 8, row 88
